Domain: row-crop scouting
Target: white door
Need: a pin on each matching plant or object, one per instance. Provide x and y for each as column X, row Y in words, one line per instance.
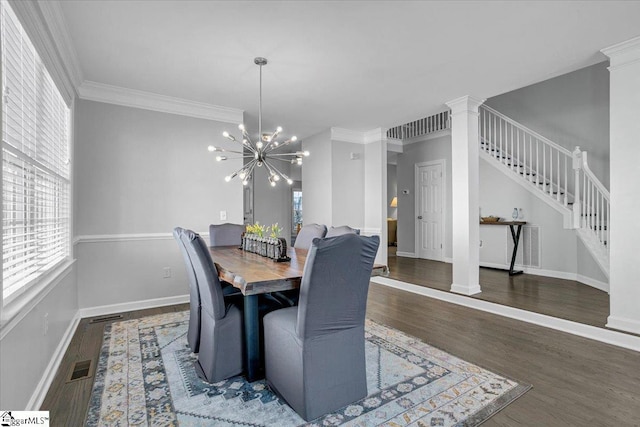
column 429, row 210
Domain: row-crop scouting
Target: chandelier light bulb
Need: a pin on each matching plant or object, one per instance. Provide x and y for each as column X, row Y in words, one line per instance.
column 259, row 153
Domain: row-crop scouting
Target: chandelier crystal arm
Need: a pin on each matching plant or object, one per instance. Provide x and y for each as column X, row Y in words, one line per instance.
column 285, row 177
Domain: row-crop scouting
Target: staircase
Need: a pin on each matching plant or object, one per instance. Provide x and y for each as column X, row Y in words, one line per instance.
column 557, row 176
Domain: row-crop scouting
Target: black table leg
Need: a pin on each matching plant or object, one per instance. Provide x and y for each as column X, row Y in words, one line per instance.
column 516, row 239
column 252, row 337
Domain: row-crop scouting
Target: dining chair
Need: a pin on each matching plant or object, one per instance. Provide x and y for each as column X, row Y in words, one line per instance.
column 343, row 229
column 193, row 332
column 221, row 327
column 308, row 233
column 225, row 234
column 315, row 352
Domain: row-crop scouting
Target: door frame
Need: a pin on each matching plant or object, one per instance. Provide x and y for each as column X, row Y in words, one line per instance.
column 416, row 185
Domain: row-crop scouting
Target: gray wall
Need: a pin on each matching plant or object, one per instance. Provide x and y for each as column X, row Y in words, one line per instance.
column 392, row 186
column 273, row 204
column 25, row 352
column 424, row 151
column 570, row 110
column 138, row 175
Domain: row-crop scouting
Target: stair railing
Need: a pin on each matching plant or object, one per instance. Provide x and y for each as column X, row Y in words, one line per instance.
column 420, row 127
column 539, row 160
column 591, row 208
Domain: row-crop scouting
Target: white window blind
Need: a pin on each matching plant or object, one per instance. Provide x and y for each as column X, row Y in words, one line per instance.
column 35, row 166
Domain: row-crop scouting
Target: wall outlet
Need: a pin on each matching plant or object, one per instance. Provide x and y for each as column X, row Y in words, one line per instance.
column 223, row 215
column 45, row 324
column 166, row 272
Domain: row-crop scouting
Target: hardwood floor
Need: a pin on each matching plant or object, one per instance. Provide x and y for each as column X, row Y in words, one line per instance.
column 576, row 381
column 565, row 299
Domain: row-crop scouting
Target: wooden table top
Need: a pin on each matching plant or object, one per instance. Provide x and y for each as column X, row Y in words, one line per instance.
column 255, row 274
column 503, row 222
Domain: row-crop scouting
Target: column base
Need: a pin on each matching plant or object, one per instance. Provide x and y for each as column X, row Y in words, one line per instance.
column 465, row 290
column 622, row 324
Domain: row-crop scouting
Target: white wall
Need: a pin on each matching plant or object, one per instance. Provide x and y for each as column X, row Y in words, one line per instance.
column 423, row 151
column 316, row 179
column 392, row 189
column 139, row 174
column 26, row 353
column 570, row 110
column 347, row 184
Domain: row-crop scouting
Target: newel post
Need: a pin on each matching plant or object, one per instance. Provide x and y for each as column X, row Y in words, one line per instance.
column 577, row 165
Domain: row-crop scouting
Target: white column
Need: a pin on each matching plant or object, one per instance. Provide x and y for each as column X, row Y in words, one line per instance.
column 624, row 111
column 465, row 171
column 375, row 189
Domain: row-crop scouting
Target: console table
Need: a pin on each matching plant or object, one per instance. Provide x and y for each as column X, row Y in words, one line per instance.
column 515, row 235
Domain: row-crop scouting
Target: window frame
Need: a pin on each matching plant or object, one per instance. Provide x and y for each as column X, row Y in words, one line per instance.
column 23, row 299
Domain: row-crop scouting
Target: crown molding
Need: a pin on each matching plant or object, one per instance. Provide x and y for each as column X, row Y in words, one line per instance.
column 347, row 135
column 53, row 16
column 375, row 135
column 624, row 53
column 355, row 137
column 38, row 20
column 464, row 104
column 117, row 95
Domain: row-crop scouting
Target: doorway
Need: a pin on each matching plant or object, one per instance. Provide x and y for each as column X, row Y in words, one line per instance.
column 430, row 209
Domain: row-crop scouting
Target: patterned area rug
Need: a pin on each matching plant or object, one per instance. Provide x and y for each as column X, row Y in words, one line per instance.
column 145, row 376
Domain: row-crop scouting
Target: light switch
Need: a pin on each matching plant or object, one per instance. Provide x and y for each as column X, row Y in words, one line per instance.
column 223, row 215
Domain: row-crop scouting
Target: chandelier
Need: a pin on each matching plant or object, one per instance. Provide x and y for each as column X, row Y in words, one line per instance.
column 262, row 152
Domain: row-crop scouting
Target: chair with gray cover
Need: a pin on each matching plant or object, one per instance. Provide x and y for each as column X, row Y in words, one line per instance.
column 193, row 333
column 308, row 233
column 225, row 234
column 315, row 352
column 343, row 229
column 221, row 326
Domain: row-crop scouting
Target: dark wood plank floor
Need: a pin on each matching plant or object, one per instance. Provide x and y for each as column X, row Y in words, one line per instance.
column 576, row 381
column 564, row 299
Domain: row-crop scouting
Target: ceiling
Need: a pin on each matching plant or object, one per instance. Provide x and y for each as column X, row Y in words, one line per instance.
column 357, row 65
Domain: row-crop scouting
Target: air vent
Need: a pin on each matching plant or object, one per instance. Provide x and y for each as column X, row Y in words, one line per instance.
column 528, row 249
column 81, row 370
column 106, row 318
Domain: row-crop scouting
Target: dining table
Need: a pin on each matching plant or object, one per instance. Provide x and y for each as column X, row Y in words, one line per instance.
column 254, row 275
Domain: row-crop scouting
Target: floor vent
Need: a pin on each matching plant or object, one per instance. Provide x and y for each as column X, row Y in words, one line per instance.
column 106, row 318
column 81, row 370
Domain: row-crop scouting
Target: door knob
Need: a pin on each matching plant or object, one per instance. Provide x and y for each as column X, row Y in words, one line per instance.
column 420, row 217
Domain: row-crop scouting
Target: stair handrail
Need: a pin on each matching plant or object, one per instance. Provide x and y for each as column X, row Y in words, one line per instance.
column 526, row 129
column 593, row 203
column 546, row 164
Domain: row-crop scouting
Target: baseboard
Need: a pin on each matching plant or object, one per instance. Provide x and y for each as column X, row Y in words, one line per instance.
column 37, row 398
column 465, row 290
column 619, row 339
column 406, row 254
column 603, row 286
column 131, row 306
column 622, row 324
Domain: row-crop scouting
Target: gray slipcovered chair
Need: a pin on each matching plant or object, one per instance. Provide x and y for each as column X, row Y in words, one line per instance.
column 221, row 325
column 343, row 229
column 193, row 333
column 315, row 352
column 308, row 233
column 225, row 234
